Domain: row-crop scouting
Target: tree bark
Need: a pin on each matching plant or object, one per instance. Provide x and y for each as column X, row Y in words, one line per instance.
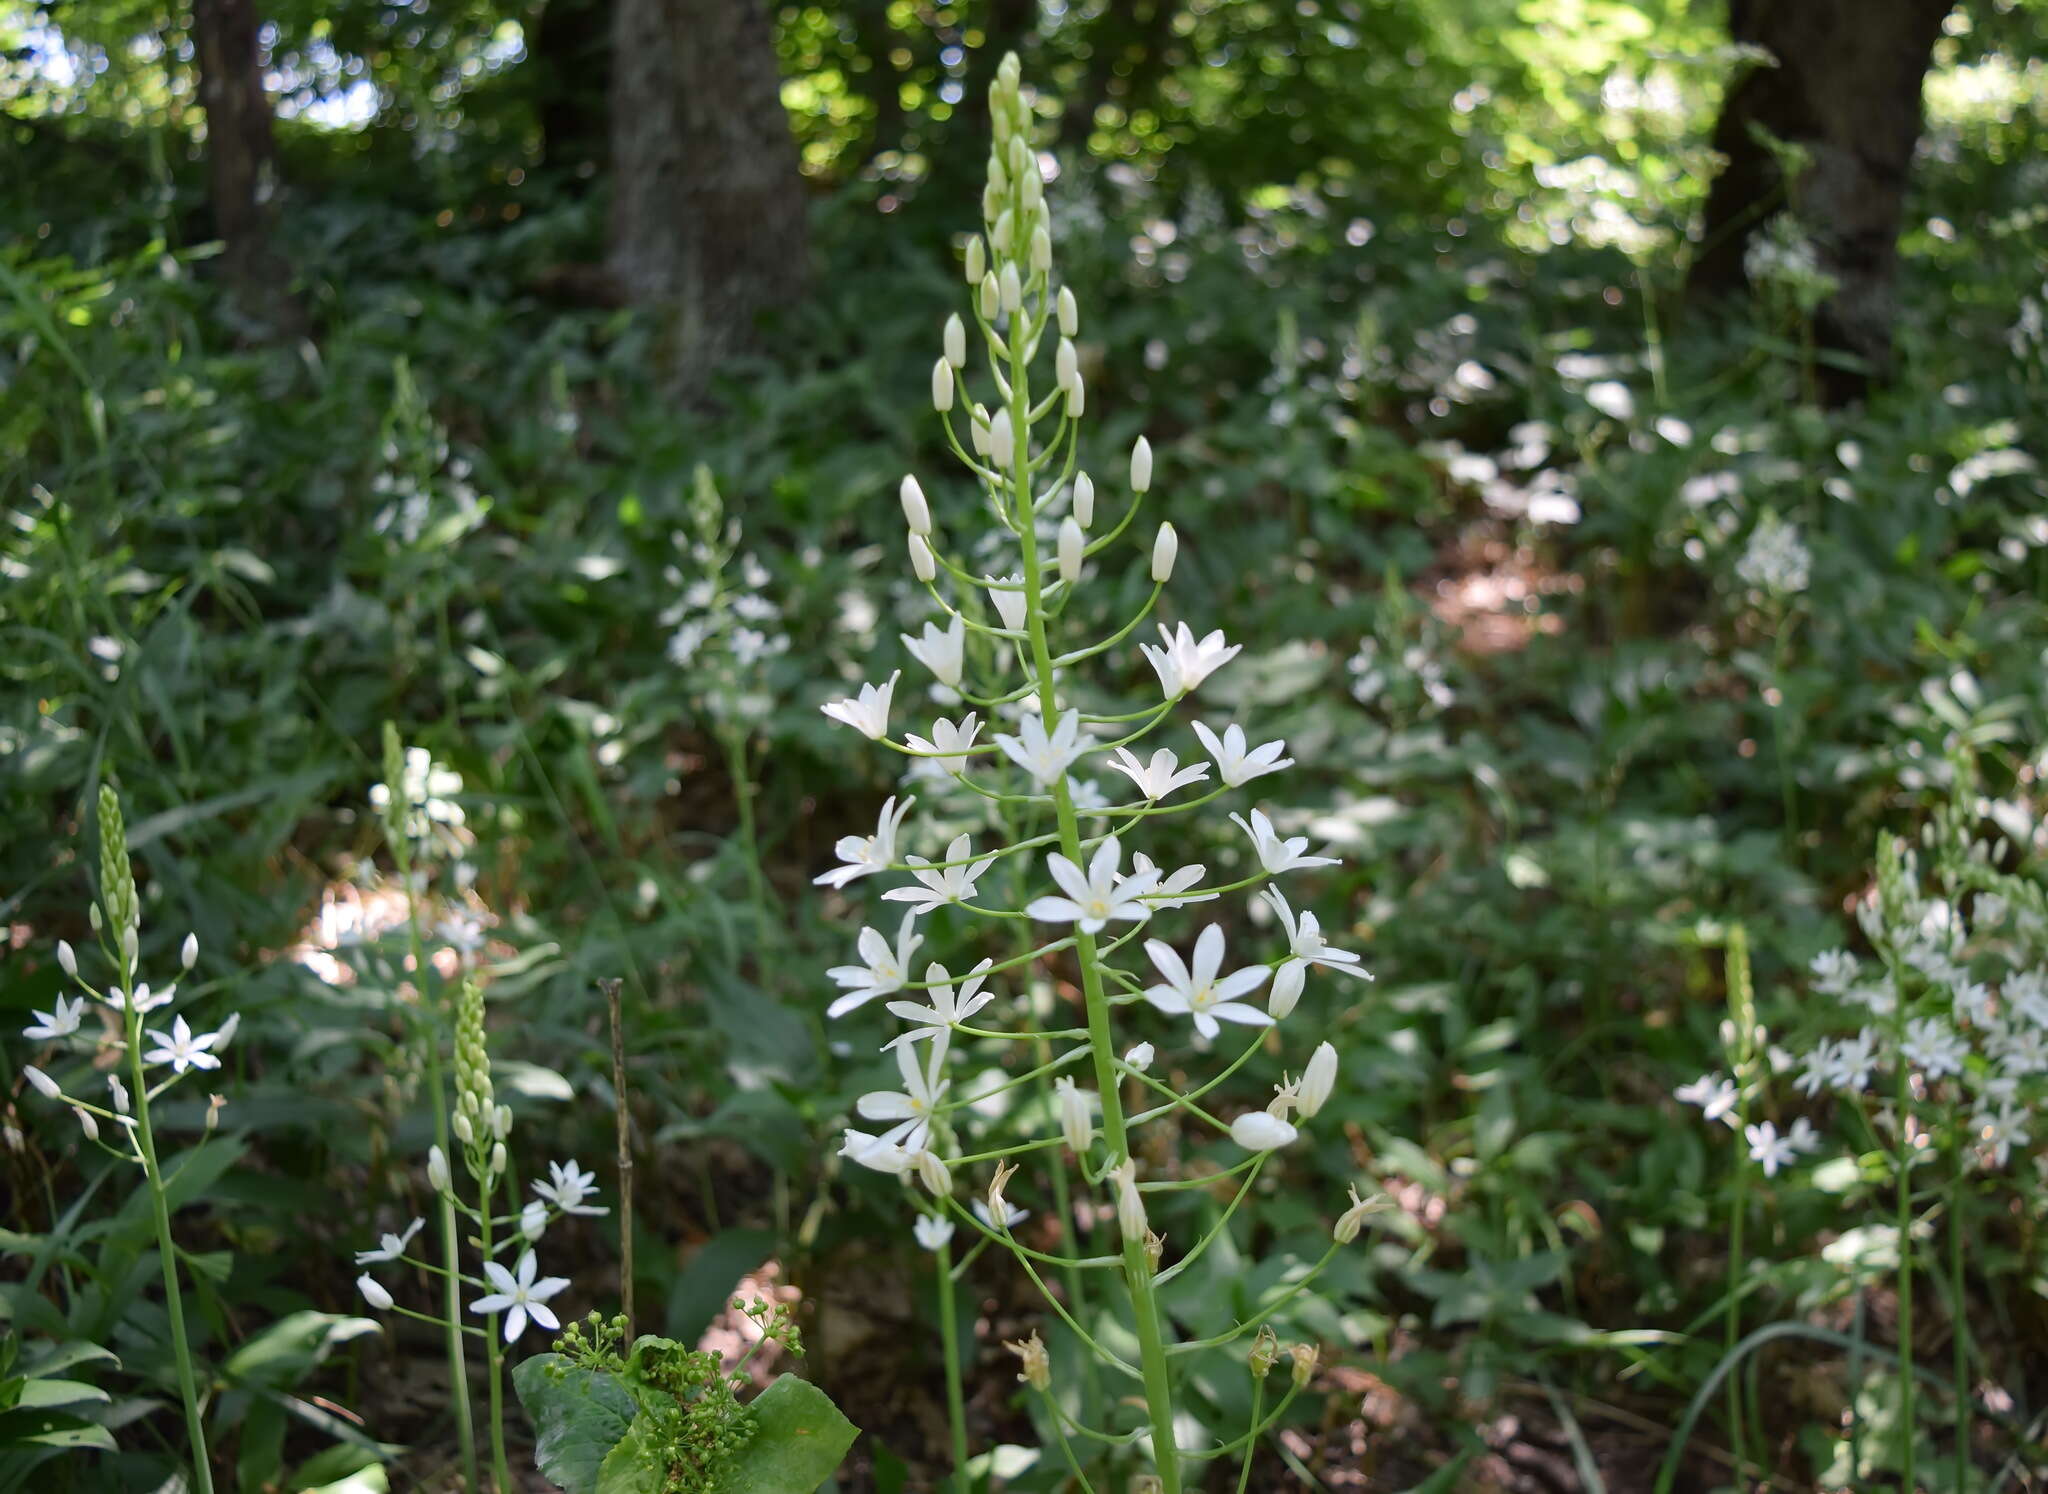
column 1846, row 91
column 708, row 206
column 572, row 57
column 241, row 161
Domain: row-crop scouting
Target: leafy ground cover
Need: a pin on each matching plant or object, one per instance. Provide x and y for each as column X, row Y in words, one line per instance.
column 1606, row 657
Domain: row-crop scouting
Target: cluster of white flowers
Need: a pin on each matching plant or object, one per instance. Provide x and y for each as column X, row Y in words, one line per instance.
column 428, row 498
column 1092, row 899
column 425, row 810
column 519, row 1293
column 1955, row 1003
column 722, row 625
column 1776, row 561
column 1409, row 677
column 96, row 1021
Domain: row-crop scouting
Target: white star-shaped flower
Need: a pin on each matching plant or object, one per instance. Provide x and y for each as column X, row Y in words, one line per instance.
column 1275, row 854
column 181, row 1049
column 1158, row 776
column 567, row 1186
column 867, row 712
column 947, row 746
column 1769, row 1148
column 885, row 970
column 1234, row 765
column 49, row 1026
column 519, row 1296
column 1714, row 1095
column 1184, row 662
column 912, row 1108
column 1305, row 947
column 1168, row 894
column 941, row 884
column 945, row 1006
column 944, row 652
column 1097, row 897
column 864, row 855
column 142, row 999
column 1200, row 990
column 390, row 1247
column 1046, row 756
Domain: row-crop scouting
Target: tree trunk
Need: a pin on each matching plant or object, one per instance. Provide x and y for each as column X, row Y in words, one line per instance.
column 241, row 160
column 1846, row 91
column 708, row 206
column 572, row 58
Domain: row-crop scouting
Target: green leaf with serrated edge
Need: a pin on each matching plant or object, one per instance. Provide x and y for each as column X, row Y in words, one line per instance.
column 578, row 1416
column 799, row 1439
column 636, row 1465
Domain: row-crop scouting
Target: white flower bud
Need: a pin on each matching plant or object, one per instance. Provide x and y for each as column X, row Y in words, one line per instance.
column 1140, row 1057
column 44, row 1084
column 1084, row 500
column 992, row 207
column 1066, row 366
column 464, row 1132
column 1164, row 549
column 67, row 957
column 1071, row 544
column 1285, row 991
column 1031, row 189
column 977, row 430
column 373, row 1292
column 1021, row 163
column 88, row 1123
column 1077, row 1120
column 1077, row 400
column 977, row 264
column 923, row 564
column 1004, row 235
column 942, row 386
column 916, row 512
column 188, row 952
column 1257, row 1131
column 1002, row 440
column 1141, row 466
column 92, row 916
column 1012, row 288
column 991, row 299
column 956, row 341
column 1041, row 249
column 1317, row 1080
column 227, row 1032
column 131, row 944
column 437, row 1169
column 931, row 1171
column 1130, row 1204
column 501, row 1122
column 1070, row 312
column 533, row 1220
column 498, row 1158
column 120, row 1093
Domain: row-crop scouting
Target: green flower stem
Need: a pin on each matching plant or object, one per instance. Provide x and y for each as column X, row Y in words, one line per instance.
column 1244, row 1473
column 1244, row 1189
column 1230, row 1335
column 494, row 1354
column 1177, row 1102
column 734, row 742
column 1024, row 1252
column 1257, row 1042
column 1137, row 1268
column 1962, row 1321
column 451, row 1236
column 949, row 1341
column 166, row 1249
column 1009, row 1084
column 1059, row 1430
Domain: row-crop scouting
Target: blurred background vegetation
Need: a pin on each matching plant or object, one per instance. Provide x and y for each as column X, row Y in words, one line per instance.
column 357, row 362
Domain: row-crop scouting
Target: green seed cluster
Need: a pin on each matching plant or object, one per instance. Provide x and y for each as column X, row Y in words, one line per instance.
column 480, row 1122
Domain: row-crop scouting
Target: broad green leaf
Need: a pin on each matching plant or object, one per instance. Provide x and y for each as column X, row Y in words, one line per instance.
column 60, row 1393
column 578, row 1417
column 800, row 1437
column 635, row 1466
column 707, row 1283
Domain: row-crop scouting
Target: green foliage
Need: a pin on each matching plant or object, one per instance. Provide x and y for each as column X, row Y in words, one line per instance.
column 662, row 1418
